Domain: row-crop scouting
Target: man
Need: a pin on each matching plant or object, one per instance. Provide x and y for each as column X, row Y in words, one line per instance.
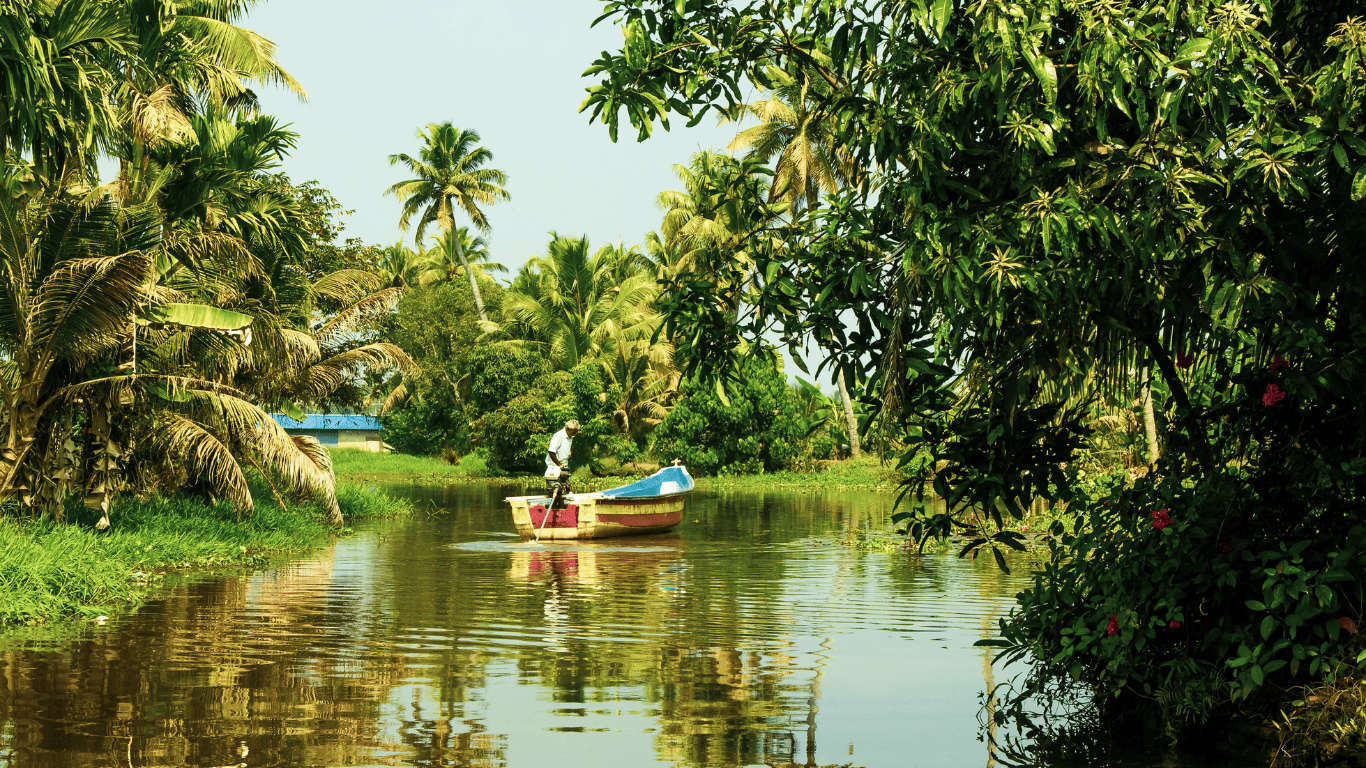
column 557, row 462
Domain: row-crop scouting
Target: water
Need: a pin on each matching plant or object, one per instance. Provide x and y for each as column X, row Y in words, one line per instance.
column 748, row 637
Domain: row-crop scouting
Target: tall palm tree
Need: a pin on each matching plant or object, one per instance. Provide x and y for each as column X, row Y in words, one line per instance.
column 443, row 263
column 572, row 305
column 189, row 57
column 797, row 137
column 449, row 175
column 720, row 219
column 796, row 130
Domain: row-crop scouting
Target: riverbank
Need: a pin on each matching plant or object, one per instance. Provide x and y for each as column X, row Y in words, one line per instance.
column 50, row 572
column 868, row 473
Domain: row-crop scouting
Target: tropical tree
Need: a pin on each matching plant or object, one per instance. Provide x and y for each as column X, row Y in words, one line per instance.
column 720, row 221
column 188, row 56
column 569, row 305
column 796, row 136
column 448, row 175
column 399, row 265
column 798, row 132
column 1068, row 193
column 454, row 252
column 55, row 83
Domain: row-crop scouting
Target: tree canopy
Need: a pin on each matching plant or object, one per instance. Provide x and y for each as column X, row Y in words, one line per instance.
column 1060, row 195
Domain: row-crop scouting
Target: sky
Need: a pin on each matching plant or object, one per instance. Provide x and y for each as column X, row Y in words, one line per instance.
column 510, row 69
column 377, row 72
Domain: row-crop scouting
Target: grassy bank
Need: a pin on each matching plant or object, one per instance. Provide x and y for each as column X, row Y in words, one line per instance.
column 363, row 466
column 864, row 474
column 50, row 572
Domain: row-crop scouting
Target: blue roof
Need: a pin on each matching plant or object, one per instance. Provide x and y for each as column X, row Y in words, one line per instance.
column 328, row 421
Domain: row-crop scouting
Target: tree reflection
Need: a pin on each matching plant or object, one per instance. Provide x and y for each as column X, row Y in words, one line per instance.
column 402, row 648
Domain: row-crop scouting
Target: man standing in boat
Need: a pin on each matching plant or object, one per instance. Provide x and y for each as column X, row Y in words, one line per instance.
column 557, row 462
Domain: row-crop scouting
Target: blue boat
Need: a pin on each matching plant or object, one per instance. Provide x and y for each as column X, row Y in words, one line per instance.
column 651, row 505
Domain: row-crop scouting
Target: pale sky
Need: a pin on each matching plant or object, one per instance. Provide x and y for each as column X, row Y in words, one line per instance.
column 376, row 72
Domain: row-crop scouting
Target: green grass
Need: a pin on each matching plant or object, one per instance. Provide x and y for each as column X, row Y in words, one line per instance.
column 866, row 473
column 356, row 465
column 50, row 572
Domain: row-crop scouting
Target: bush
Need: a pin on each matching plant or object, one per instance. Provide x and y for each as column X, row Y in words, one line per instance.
column 760, row 431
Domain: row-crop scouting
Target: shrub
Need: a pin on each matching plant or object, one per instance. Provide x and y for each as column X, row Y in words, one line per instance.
column 760, row 430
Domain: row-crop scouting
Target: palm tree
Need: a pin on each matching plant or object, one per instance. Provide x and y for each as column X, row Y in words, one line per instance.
column 448, row 176
column 796, row 130
column 443, row 262
column 719, row 221
column 645, row 374
column 56, row 82
column 187, row 54
column 573, row 306
column 400, row 266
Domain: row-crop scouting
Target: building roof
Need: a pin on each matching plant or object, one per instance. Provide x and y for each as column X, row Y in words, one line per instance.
column 328, row 421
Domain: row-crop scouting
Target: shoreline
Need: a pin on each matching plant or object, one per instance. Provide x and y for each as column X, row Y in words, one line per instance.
column 53, row 574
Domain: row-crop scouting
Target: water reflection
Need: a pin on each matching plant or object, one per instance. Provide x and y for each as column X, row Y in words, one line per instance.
column 738, row 640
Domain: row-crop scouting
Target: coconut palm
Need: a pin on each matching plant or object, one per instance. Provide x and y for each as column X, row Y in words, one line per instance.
column 571, row 305
column 443, row 262
column 54, row 82
column 187, row 54
column 719, row 222
column 797, row 137
column 648, row 383
column 449, row 175
column 400, row 266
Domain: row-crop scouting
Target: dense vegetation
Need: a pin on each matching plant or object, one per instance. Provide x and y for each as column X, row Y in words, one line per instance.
column 1046, row 222
column 152, row 320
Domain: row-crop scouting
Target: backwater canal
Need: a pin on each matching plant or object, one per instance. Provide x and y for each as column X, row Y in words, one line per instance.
column 747, row 637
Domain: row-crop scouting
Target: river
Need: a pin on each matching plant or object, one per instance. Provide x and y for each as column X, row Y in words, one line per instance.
column 750, row 636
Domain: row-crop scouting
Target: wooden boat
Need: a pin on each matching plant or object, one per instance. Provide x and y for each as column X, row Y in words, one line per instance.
column 652, row 505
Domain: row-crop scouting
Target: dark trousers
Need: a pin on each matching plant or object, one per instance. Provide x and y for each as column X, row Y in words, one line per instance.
column 557, row 489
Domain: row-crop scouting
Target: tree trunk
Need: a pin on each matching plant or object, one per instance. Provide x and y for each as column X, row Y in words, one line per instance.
column 850, row 422
column 474, row 284
column 1149, row 418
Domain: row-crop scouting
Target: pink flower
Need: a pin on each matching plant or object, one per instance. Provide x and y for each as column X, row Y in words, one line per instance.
column 1161, row 518
column 1184, row 359
column 1113, row 627
column 1277, row 364
column 1272, row 395
column 1174, row 624
column 1226, row 547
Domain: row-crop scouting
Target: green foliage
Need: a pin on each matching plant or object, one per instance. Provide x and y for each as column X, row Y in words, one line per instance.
column 1060, row 196
column 516, row 433
column 758, row 431
column 438, row 326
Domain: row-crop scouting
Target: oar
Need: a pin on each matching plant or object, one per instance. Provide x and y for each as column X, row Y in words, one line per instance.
column 547, row 514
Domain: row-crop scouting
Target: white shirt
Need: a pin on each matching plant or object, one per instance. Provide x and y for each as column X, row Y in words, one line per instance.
column 560, row 445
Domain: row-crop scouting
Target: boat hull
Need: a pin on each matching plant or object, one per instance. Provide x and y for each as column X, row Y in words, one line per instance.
column 588, row 516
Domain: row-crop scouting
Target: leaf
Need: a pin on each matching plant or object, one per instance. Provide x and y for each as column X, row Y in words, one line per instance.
column 293, row 411
column 939, row 16
column 1359, row 184
column 1256, row 605
column 1268, row 626
column 1193, row 50
column 1000, row 561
